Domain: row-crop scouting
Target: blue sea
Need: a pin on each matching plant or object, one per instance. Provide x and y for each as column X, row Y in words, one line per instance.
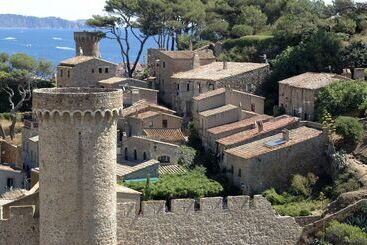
column 58, row 44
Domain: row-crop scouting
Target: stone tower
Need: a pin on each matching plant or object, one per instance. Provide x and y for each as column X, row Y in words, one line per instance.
column 77, row 156
column 87, row 43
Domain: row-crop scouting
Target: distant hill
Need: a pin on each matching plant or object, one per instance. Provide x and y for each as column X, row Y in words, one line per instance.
column 20, row 21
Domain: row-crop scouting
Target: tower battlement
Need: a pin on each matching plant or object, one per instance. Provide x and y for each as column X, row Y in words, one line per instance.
column 87, row 43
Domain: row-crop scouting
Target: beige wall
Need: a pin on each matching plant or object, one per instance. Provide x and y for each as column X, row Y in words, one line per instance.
column 81, row 74
column 246, row 101
column 11, row 154
column 275, row 168
column 295, row 100
column 16, row 175
column 135, row 94
column 152, row 148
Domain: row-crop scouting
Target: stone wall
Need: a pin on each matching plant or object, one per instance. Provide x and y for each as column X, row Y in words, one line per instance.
column 10, row 153
column 246, row 101
column 237, row 223
column 134, row 94
column 153, row 149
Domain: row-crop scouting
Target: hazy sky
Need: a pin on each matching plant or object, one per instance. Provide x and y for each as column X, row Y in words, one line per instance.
column 68, row 9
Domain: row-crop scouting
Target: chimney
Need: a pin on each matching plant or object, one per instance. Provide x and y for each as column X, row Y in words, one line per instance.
column 260, row 126
column 285, row 134
column 225, row 65
column 195, row 61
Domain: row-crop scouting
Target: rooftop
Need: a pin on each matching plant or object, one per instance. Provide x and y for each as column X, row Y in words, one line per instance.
column 117, row 80
column 122, row 170
column 215, row 71
column 166, row 135
column 312, row 80
column 240, row 124
column 79, row 59
column 34, row 138
column 271, row 125
column 171, row 169
column 259, row 147
column 187, row 54
column 218, row 110
column 9, row 168
column 143, row 105
column 124, row 189
column 147, row 114
column 210, row 94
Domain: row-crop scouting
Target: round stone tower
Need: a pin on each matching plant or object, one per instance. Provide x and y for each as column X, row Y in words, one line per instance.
column 77, row 157
column 87, row 43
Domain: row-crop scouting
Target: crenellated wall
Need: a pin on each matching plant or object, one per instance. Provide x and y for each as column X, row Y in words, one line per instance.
column 242, row 221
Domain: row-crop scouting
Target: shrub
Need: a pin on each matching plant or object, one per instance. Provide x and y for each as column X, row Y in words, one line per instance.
column 345, row 25
column 338, row 233
column 344, row 182
column 186, row 156
column 301, row 208
column 242, row 30
column 301, row 185
column 273, row 197
column 349, row 128
column 193, row 184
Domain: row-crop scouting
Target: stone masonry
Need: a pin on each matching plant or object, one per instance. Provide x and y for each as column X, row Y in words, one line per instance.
column 77, row 130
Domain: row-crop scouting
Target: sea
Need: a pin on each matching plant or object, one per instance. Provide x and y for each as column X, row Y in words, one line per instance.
column 58, row 44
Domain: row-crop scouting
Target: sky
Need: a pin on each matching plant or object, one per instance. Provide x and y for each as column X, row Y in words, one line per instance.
column 67, row 9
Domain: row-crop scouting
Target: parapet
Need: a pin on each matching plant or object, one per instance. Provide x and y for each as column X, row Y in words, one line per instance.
column 192, row 206
column 70, row 101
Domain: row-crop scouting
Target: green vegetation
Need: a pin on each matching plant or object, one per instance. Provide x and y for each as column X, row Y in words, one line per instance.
column 193, row 184
column 186, row 156
column 343, row 98
column 349, row 128
column 310, row 193
column 339, row 233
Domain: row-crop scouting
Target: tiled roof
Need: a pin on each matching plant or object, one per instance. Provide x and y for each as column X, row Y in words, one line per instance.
column 215, row 71
column 186, row 54
column 143, row 105
column 113, row 80
column 259, row 147
column 124, row 189
column 122, row 170
column 14, row 194
column 80, row 59
column 147, row 114
column 210, row 94
column 312, row 80
column 171, row 169
column 274, row 124
column 218, row 110
column 165, row 135
column 240, row 124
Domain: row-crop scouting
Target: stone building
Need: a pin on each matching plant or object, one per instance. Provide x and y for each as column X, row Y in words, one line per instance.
column 133, row 171
column 10, row 178
column 246, row 77
column 297, row 94
column 30, row 143
column 71, row 194
column 141, row 149
column 152, row 120
column 271, row 162
column 163, row 64
column 259, row 131
column 86, row 68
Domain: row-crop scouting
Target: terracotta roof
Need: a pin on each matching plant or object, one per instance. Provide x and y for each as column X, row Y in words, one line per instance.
column 240, row 124
column 171, row 169
column 122, row 170
column 143, row 105
column 274, row 124
column 165, row 135
column 80, row 59
column 215, row 71
column 186, row 54
column 147, row 114
column 259, row 147
column 312, row 80
column 218, row 110
column 210, row 94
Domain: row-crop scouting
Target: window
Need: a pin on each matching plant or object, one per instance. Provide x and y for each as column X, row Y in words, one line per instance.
column 92, row 70
column 61, row 73
column 253, row 107
column 199, row 88
column 164, row 159
column 106, row 70
column 68, row 73
column 145, row 156
column 126, row 154
column 178, row 87
column 100, row 70
column 135, row 155
column 10, row 182
column 239, row 172
column 211, row 86
column 164, row 123
column 164, row 64
column 150, row 124
column 188, row 87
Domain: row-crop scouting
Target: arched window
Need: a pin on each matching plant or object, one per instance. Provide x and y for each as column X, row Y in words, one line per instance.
column 126, row 154
column 135, row 155
column 145, row 156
